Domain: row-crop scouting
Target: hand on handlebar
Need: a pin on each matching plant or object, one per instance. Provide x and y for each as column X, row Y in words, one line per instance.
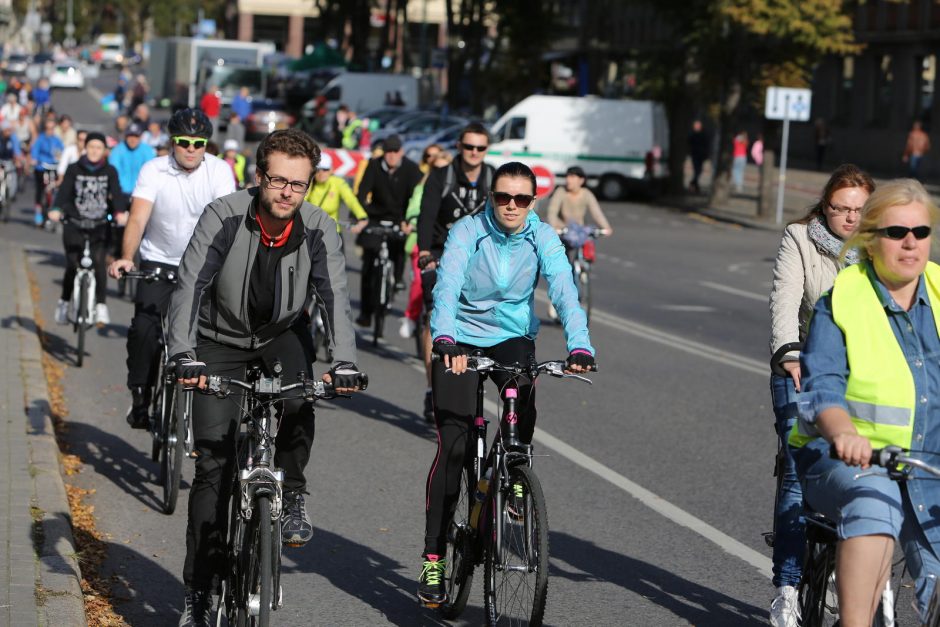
column 356, row 229
column 55, row 215
column 345, row 378
column 793, row 369
column 580, row 360
column 190, row 372
column 455, row 356
column 426, row 261
column 119, row 266
column 853, row 449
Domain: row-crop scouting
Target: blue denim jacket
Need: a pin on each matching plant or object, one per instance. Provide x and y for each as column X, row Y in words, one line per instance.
column 825, row 370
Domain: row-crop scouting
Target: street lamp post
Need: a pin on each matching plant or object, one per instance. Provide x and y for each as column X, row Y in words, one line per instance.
column 69, row 26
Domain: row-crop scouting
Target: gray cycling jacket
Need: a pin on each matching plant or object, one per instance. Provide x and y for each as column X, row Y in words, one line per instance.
column 211, row 296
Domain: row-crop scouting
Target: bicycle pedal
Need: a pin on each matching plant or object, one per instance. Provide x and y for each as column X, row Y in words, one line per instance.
column 294, row 545
column 430, row 606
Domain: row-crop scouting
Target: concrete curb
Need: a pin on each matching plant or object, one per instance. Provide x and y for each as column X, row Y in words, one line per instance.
column 60, row 601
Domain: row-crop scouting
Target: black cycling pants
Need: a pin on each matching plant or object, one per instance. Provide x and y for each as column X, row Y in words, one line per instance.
column 144, row 336
column 215, row 422
column 73, row 240
column 455, row 401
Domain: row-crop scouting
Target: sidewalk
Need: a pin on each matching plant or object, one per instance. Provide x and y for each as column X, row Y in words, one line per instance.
column 39, row 572
column 803, row 188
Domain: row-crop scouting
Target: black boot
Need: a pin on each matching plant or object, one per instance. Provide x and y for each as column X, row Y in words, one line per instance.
column 138, row 416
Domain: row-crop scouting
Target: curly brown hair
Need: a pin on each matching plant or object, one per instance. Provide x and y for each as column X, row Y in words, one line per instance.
column 291, row 142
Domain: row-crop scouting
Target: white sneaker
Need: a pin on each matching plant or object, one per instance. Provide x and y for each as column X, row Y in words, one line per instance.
column 102, row 315
column 62, row 312
column 407, row 328
column 785, row 609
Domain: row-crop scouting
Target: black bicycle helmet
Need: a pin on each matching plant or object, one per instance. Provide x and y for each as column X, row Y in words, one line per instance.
column 189, row 122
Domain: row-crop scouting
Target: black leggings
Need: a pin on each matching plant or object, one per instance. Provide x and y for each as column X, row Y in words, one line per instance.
column 214, row 424
column 143, row 338
column 73, row 240
column 455, row 401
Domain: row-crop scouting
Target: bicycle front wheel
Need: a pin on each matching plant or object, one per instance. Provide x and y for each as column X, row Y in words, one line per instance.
column 515, row 583
column 173, row 438
column 819, row 604
column 81, row 318
column 458, row 575
column 157, row 405
column 256, row 574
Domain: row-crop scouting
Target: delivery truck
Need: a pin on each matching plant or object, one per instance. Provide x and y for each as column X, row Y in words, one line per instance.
column 181, row 68
column 621, row 144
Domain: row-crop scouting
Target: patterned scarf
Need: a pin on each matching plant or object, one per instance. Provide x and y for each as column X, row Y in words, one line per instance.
column 827, row 243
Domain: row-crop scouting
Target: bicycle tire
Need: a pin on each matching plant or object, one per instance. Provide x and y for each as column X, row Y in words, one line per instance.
column 81, row 322
column 256, row 573
column 515, row 594
column 173, row 438
column 157, row 411
column 458, row 574
column 817, row 592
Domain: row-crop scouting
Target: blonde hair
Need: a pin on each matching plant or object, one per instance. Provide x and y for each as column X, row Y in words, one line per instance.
column 891, row 194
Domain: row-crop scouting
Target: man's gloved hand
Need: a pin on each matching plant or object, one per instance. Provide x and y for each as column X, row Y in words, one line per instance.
column 346, row 376
column 580, row 360
column 445, row 347
column 188, row 369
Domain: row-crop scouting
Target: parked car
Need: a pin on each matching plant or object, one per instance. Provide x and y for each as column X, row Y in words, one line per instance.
column 419, row 126
column 67, row 75
column 446, row 139
column 266, row 117
column 17, row 63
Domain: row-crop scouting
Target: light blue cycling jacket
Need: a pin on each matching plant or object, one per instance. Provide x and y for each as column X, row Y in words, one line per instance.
column 485, row 291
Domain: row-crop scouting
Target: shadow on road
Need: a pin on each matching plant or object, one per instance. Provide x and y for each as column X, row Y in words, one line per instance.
column 117, row 460
column 698, row 605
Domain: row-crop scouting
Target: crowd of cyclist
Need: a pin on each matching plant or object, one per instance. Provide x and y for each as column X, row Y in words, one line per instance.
column 259, row 251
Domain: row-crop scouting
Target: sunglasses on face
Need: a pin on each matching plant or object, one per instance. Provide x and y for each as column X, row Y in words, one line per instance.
column 900, row 232
column 185, row 142
column 522, row 200
column 472, row 148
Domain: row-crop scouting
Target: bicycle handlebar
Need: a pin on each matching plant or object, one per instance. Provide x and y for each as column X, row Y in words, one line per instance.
column 592, row 231
column 85, row 224
column 776, row 366
column 554, row 368
column 220, row 386
column 890, row 458
column 384, row 228
column 150, row 276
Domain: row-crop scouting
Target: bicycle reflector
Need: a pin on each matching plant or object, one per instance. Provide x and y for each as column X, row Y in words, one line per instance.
column 589, row 252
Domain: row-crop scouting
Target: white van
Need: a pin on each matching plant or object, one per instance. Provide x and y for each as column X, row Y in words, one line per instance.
column 363, row 91
column 620, row 144
column 112, row 47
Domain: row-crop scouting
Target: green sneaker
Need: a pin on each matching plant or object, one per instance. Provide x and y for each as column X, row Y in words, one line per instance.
column 431, row 591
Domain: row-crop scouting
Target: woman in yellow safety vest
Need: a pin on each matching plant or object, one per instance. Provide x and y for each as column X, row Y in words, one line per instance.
column 871, row 378
column 328, row 191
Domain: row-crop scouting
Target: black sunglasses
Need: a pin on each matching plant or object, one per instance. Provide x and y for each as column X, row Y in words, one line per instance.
column 900, row 232
column 473, row 148
column 522, row 200
column 184, row 142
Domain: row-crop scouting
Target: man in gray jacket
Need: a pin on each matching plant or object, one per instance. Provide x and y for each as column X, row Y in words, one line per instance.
column 257, row 260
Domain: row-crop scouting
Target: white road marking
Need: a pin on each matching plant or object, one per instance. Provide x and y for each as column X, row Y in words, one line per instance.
column 651, row 500
column 698, row 349
column 733, row 290
column 689, row 308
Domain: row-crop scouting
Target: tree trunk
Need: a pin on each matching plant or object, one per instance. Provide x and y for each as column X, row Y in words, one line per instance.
column 721, row 183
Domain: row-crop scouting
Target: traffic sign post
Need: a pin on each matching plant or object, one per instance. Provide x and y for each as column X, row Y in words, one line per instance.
column 544, row 180
column 786, row 103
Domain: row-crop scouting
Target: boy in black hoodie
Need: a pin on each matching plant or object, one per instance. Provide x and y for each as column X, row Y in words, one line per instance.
column 89, row 193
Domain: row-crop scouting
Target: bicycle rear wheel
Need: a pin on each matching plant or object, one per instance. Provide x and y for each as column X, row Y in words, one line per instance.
column 819, row 604
column 173, row 438
column 255, row 573
column 157, row 410
column 458, row 574
column 81, row 319
column 515, row 582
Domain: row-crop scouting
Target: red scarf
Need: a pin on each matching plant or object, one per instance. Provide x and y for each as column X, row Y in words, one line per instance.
column 278, row 240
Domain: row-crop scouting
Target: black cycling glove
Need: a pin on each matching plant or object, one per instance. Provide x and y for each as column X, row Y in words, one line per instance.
column 187, row 367
column 445, row 347
column 581, row 357
column 345, row 374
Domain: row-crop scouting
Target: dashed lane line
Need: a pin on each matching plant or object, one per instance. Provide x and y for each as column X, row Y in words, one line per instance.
column 733, row 290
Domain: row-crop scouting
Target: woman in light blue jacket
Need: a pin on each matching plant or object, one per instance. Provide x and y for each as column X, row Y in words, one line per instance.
column 484, row 299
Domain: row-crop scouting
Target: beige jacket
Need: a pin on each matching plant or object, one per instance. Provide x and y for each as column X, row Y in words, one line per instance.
column 801, row 275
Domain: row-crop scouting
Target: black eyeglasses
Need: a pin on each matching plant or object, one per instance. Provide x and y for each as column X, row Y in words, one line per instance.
column 277, row 182
column 186, row 142
column 473, row 148
column 900, row 232
column 522, row 200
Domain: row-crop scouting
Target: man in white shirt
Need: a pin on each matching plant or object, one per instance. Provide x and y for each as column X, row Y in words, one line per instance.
column 169, row 197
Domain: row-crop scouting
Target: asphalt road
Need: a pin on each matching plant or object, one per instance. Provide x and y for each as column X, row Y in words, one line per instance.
column 658, row 477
